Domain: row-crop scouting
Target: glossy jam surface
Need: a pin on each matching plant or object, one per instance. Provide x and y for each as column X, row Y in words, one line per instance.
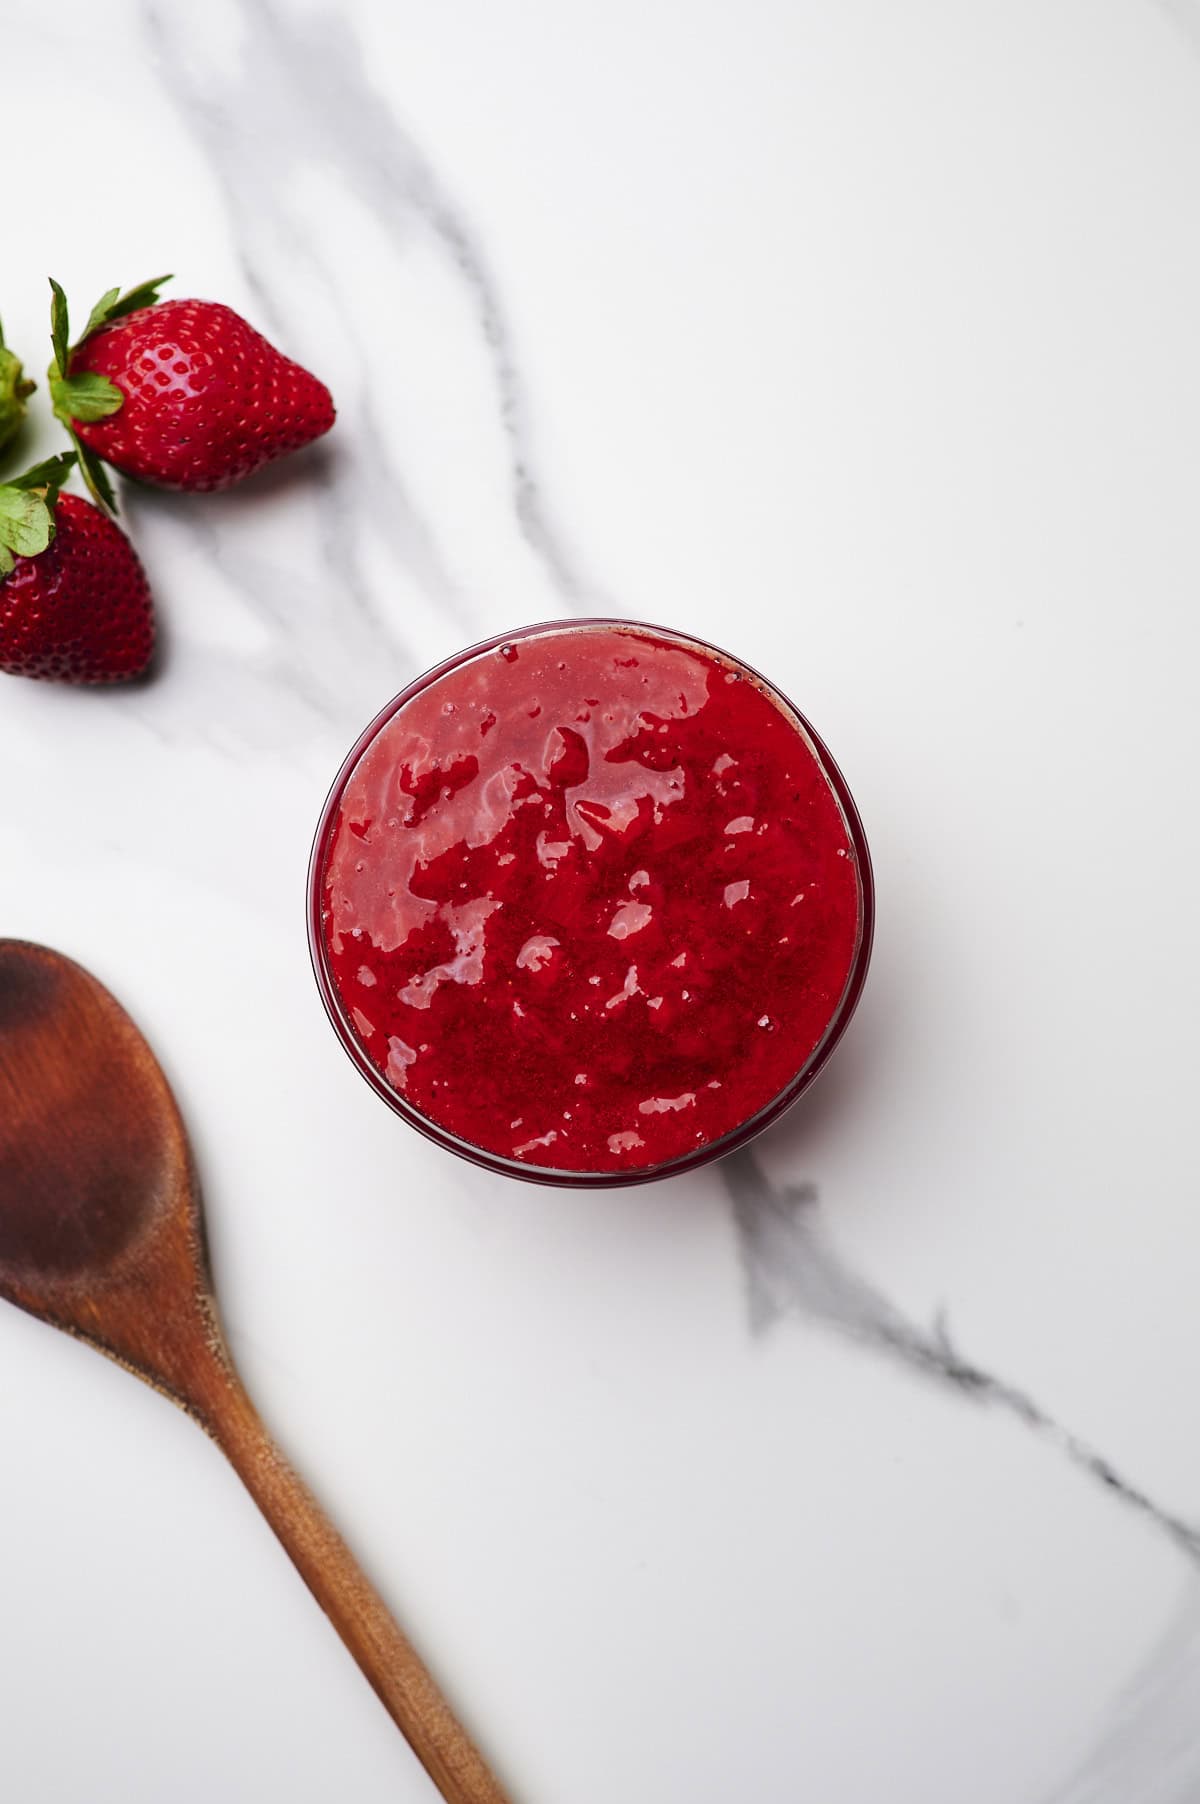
column 588, row 900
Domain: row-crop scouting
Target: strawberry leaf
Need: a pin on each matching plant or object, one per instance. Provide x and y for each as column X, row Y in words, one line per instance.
column 26, row 522
column 115, row 305
column 88, row 396
column 60, row 329
column 27, row 505
column 144, row 295
column 51, row 473
column 100, row 312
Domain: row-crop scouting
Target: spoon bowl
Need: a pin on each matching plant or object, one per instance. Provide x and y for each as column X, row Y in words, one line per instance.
column 102, row 1235
column 100, row 1224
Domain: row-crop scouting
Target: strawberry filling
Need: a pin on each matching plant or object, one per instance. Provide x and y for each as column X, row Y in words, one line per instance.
column 589, row 900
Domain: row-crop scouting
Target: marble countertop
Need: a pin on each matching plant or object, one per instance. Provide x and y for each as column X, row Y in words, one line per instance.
column 863, row 340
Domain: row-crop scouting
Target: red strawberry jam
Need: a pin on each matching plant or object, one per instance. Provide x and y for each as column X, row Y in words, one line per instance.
column 590, row 900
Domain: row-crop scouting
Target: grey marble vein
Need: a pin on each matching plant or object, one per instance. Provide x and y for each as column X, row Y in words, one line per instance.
column 361, row 486
column 1148, row 1751
column 792, row 1269
column 302, row 77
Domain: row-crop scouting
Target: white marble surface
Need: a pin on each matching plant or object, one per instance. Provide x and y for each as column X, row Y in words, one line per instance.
column 863, row 339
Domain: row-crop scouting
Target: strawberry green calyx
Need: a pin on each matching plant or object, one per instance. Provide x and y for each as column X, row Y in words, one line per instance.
column 88, row 396
column 115, row 305
column 14, row 390
column 84, row 397
column 27, row 506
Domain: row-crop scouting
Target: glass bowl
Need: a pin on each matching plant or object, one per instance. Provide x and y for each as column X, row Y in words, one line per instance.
column 702, row 1154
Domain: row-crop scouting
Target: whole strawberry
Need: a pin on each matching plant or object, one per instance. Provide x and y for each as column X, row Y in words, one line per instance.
column 74, row 602
column 182, row 394
column 13, row 392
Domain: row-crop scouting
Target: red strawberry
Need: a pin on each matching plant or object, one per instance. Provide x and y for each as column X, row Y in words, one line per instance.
column 183, row 394
column 74, row 602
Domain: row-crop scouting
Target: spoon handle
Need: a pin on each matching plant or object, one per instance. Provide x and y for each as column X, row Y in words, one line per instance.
column 328, row 1568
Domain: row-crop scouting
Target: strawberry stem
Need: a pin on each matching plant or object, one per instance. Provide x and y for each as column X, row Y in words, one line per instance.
column 95, row 476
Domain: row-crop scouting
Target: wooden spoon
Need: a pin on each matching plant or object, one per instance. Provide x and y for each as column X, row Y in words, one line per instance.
column 101, row 1233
